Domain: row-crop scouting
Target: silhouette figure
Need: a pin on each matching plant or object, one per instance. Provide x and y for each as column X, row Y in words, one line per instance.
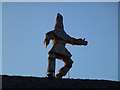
column 59, row 39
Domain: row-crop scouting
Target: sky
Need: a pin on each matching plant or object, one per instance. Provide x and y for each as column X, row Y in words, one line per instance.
column 0, row 37
column 23, row 31
column 59, row 0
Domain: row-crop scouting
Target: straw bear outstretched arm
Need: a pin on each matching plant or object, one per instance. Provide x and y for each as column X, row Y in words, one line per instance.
column 48, row 37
